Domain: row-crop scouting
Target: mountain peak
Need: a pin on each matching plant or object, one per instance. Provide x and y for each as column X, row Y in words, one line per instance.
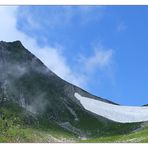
column 14, row 42
column 15, row 45
column 28, row 83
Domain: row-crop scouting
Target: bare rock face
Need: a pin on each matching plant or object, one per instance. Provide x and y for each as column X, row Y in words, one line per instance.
column 25, row 80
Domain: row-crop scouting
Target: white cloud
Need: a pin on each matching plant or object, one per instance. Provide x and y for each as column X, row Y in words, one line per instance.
column 100, row 59
column 51, row 57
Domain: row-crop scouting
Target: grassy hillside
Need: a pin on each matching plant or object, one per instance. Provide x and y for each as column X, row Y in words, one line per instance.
column 17, row 125
column 140, row 136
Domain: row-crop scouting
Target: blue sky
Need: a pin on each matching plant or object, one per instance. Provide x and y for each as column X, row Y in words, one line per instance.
column 103, row 49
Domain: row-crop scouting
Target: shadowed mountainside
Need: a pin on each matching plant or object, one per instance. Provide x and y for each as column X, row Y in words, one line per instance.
column 38, row 98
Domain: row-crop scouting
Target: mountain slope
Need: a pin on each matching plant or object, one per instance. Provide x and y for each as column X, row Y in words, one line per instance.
column 26, row 82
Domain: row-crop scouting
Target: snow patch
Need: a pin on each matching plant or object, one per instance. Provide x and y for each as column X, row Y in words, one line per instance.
column 122, row 114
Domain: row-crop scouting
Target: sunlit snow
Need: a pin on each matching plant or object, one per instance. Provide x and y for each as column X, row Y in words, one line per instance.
column 123, row 114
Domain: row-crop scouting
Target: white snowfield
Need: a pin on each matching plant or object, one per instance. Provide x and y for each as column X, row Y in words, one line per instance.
column 122, row 114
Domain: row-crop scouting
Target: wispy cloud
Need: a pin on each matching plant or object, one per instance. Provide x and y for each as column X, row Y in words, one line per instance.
column 121, row 27
column 59, row 16
column 100, row 59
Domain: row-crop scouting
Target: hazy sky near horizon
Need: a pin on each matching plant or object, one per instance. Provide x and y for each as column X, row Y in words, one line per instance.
column 103, row 49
